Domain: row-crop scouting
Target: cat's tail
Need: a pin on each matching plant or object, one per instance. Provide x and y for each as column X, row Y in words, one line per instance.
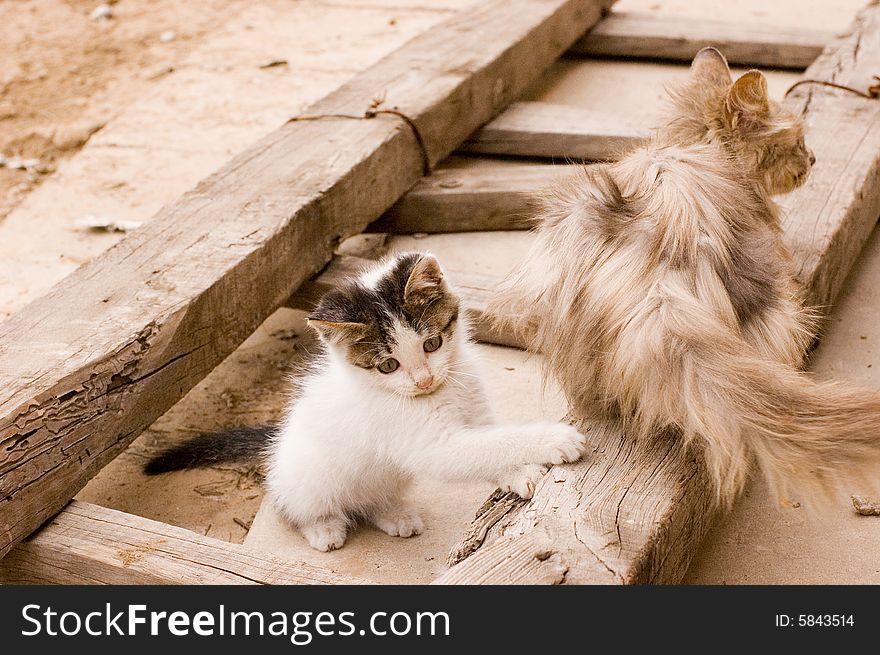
column 807, row 437
column 233, row 445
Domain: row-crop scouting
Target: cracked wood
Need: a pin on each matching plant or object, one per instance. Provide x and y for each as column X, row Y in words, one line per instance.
column 88, row 544
column 86, row 368
column 635, row 512
column 528, row 558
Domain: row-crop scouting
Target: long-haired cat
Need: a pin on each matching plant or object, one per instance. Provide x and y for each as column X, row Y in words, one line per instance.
column 662, row 296
column 396, row 394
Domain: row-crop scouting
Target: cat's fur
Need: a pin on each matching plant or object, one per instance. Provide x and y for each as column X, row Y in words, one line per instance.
column 662, row 296
column 354, row 437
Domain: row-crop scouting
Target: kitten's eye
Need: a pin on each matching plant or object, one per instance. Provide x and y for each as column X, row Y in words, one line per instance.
column 432, row 344
column 388, row 365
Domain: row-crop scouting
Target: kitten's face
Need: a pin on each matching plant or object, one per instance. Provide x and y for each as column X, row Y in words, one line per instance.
column 765, row 137
column 396, row 324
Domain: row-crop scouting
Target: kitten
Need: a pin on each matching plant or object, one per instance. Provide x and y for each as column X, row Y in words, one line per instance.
column 662, row 296
column 397, row 394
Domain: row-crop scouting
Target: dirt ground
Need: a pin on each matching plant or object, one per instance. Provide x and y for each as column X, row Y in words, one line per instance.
column 63, row 76
column 124, row 114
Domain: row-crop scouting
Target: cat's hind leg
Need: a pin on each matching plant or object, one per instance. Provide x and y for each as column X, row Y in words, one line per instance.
column 326, row 534
column 399, row 521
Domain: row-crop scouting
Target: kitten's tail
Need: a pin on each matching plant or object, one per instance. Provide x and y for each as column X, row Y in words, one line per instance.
column 233, row 445
column 806, row 436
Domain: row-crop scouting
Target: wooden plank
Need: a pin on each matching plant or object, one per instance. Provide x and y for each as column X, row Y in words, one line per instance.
column 827, row 221
column 470, row 199
column 630, row 513
column 654, row 36
column 88, row 544
column 635, row 511
column 528, row 558
column 474, row 289
column 543, row 129
column 86, row 368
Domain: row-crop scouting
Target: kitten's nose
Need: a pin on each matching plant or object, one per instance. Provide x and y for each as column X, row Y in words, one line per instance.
column 812, row 158
column 425, row 382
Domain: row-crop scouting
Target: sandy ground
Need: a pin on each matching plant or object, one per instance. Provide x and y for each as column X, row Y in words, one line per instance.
column 177, row 128
column 64, row 76
column 123, row 121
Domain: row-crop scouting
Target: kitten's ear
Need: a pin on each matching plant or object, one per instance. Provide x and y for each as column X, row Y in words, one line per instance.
column 747, row 103
column 710, row 66
column 425, row 283
column 335, row 331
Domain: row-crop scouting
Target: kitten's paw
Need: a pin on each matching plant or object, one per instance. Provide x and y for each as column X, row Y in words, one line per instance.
column 326, row 535
column 400, row 522
column 559, row 443
column 522, row 480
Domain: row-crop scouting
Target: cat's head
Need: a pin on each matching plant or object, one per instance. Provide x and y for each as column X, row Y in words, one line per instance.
column 765, row 138
column 395, row 323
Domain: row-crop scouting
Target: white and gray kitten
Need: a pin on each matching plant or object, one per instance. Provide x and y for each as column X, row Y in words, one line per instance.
column 396, row 395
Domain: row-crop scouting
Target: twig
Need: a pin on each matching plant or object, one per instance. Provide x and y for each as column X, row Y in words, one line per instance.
column 243, row 524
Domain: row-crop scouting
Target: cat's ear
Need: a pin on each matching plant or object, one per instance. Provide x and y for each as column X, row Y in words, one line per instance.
column 747, row 104
column 710, row 66
column 425, row 283
column 335, row 331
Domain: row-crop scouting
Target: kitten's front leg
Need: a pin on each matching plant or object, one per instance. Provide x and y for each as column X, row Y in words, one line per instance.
column 492, row 451
column 550, row 443
column 522, row 480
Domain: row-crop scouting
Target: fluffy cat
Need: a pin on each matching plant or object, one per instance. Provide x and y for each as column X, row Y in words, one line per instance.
column 396, row 394
column 662, row 296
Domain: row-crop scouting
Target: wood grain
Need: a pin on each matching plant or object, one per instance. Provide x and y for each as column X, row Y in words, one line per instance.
column 470, row 199
column 675, row 38
column 635, row 511
column 561, row 132
column 88, row 544
column 828, row 220
column 527, row 558
column 86, row 368
column 474, row 290
column 629, row 513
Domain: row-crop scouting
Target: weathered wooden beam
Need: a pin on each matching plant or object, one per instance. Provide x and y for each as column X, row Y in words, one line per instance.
column 651, row 36
column 527, row 558
column 827, row 221
column 561, row 132
column 89, row 544
column 473, row 288
column 468, row 199
column 629, row 513
column 86, row 368
column 537, row 129
column 636, row 511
